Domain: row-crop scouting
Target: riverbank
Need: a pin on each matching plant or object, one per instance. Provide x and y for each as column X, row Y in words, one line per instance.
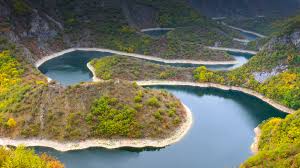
column 234, row 50
column 222, row 87
column 156, row 29
column 241, row 40
column 145, row 57
column 245, row 31
column 92, row 69
column 106, row 143
column 254, row 145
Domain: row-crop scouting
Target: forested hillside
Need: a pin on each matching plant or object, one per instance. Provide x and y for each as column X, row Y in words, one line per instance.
column 279, row 144
column 113, row 24
column 275, row 73
column 244, row 8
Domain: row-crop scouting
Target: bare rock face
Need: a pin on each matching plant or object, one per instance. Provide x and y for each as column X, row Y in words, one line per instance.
column 295, row 38
column 289, row 39
column 139, row 15
column 263, row 76
column 39, row 28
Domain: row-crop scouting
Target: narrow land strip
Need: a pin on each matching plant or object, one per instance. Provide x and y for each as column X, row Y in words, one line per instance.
column 156, row 29
column 145, row 57
column 233, row 50
column 245, row 31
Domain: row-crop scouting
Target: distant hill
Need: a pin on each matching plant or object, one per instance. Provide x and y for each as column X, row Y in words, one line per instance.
column 229, row 8
column 44, row 27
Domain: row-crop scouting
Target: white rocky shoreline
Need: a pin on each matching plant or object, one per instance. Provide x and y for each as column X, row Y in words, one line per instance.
column 254, row 145
column 106, row 143
column 222, row 87
column 145, row 57
column 92, row 69
column 157, row 29
column 233, row 50
column 245, row 31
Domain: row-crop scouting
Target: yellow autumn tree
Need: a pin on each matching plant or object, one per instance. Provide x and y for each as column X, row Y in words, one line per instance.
column 11, row 123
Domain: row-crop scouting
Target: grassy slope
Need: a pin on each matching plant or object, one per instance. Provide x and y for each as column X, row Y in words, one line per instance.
column 136, row 113
column 118, row 67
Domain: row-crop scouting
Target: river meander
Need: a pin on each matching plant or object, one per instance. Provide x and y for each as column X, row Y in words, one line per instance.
column 221, row 134
column 70, row 68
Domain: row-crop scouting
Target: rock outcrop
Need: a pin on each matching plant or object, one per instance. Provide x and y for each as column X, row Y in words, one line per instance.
column 292, row 39
column 263, row 76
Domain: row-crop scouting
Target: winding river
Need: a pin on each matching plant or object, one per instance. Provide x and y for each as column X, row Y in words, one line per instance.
column 221, row 134
column 70, row 68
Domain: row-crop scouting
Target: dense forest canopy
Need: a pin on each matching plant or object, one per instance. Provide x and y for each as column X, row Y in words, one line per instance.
column 232, row 8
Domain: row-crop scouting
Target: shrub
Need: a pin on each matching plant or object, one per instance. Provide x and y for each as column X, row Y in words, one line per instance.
column 138, row 106
column 11, row 123
column 140, row 93
column 202, row 74
column 135, row 85
column 25, row 158
column 109, row 118
column 166, row 74
column 158, row 115
column 171, row 112
column 153, row 101
column 137, row 99
column 51, row 162
column 20, row 7
column 176, row 121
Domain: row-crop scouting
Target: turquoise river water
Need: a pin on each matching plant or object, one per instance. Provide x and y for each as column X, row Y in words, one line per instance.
column 221, row 134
